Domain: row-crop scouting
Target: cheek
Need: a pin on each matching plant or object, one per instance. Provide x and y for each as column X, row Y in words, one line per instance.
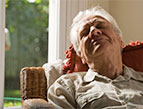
column 86, row 47
column 82, row 46
column 82, row 52
column 85, row 44
column 112, row 36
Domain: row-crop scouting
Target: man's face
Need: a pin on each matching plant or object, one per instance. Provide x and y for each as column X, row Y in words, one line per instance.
column 97, row 37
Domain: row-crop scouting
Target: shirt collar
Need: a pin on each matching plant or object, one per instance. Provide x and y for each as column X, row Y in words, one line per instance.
column 91, row 75
column 128, row 73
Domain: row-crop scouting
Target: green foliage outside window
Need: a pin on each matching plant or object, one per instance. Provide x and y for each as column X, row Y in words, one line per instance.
column 28, row 28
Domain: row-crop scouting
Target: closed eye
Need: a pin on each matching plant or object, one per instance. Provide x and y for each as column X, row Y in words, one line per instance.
column 100, row 25
column 85, row 31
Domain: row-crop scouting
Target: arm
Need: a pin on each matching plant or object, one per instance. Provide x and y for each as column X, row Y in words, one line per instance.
column 62, row 93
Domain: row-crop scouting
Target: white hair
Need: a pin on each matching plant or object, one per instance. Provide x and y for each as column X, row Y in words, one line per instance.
column 82, row 14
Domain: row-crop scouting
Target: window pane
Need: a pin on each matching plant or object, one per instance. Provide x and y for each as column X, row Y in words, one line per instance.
column 26, row 42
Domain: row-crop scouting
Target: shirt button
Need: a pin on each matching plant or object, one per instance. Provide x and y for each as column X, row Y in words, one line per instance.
column 124, row 102
column 86, row 100
column 118, row 92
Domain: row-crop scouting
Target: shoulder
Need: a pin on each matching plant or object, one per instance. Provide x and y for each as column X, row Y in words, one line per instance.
column 75, row 75
column 131, row 70
column 72, row 79
column 131, row 73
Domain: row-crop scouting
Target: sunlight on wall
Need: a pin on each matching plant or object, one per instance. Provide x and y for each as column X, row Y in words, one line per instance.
column 127, row 14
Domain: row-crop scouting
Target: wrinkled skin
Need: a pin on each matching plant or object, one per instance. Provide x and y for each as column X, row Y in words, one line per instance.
column 100, row 46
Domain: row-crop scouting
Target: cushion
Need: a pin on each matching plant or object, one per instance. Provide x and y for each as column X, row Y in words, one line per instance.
column 131, row 56
column 74, row 63
column 53, row 71
column 36, row 104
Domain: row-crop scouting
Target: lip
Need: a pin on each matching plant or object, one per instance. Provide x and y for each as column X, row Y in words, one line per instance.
column 97, row 40
column 93, row 44
column 102, row 38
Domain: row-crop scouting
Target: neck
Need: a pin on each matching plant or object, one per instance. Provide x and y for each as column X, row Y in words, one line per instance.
column 110, row 66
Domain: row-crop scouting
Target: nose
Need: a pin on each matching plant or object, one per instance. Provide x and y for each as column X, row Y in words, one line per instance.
column 94, row 31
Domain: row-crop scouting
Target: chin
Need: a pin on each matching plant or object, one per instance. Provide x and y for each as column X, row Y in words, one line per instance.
column 98, row 52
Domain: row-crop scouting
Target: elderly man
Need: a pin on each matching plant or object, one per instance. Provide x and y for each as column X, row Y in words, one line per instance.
column 108, row 83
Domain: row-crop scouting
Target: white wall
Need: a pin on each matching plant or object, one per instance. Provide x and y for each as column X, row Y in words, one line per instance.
column 102, row 3
column 128, row 14
column 2, row 48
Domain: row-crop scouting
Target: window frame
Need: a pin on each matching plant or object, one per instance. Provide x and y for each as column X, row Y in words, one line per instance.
column 61, row 13
column 2, row 50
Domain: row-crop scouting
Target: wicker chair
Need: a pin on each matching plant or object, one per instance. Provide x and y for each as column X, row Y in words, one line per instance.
column 34, row 88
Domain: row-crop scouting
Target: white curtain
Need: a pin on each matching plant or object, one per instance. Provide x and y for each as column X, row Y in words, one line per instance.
column 61, row 13
column 2, row 48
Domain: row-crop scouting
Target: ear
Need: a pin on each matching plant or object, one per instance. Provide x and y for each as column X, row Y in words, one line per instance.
column 122, row 45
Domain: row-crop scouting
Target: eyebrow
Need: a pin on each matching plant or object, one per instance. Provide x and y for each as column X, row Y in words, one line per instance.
column 99, row 20
column 85, row 22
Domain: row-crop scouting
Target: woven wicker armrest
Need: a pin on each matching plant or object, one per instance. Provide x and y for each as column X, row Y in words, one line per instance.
column 33, row 83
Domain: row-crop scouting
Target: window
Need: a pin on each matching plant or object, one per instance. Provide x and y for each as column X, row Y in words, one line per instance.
column 26, row 42
column 28, row 38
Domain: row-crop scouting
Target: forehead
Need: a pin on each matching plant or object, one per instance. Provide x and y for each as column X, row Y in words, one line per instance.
column 93, row 18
